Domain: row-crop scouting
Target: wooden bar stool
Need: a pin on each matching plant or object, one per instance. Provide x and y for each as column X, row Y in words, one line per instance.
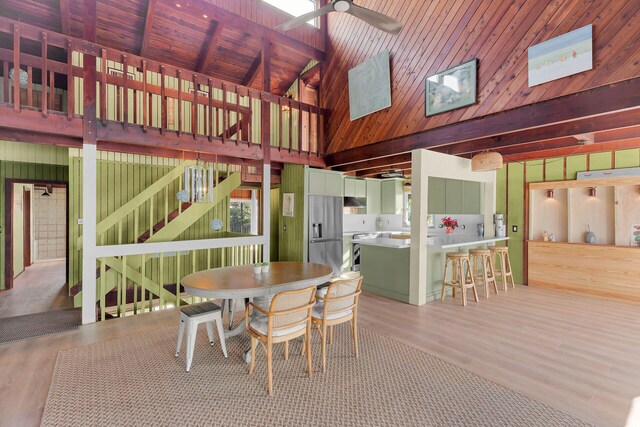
column 190, row 317
column 504, row 271
column 461, row 276
column 487, row 276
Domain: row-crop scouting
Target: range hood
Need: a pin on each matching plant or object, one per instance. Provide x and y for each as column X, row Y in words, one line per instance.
column 352, row 202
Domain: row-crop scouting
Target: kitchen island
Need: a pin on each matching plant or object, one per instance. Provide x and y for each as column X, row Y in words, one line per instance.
column 384, row 262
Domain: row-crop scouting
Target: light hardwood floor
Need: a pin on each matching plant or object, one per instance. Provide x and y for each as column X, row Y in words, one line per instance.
column 578, row 354
column 41, row 287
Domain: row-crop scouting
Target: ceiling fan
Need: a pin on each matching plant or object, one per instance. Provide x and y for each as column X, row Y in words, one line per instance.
column 371, row 17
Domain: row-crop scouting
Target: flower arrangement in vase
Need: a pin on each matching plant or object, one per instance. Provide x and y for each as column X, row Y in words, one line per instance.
column 449, row 224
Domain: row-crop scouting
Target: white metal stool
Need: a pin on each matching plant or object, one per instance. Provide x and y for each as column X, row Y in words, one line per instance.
column 190, row 317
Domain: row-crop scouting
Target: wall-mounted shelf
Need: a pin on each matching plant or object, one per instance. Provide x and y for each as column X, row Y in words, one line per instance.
column 607, row 207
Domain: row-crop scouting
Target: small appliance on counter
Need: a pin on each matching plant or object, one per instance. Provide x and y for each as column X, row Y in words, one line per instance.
column 480, row 228
column 501, row 228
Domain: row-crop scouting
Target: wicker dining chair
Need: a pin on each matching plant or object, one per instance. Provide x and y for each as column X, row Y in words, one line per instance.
column 288, row 317
column 339, row 305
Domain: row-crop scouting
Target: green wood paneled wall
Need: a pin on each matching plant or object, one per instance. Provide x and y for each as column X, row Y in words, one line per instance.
column 511, row 184
column 291, row 242
column 21, row 170
column 275, row 225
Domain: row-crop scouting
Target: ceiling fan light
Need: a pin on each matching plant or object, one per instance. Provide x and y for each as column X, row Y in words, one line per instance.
column 341, row 6
column 486, row 161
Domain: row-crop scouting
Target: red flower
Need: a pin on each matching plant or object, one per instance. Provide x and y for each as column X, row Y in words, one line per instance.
column 448, row 222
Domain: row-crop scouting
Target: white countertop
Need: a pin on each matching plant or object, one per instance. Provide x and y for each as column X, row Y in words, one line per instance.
column 443, row 242
column 446, row 242
column 384, row 242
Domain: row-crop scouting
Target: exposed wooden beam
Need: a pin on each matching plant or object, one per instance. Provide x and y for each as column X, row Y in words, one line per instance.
column 253, row 71
column 593, row 124
column 209, row 47
column 379, row 170
column 569, row 151
column 310, row 73
column 148, row 24
column 64, row 17
column 379, row 162
column 582, row 105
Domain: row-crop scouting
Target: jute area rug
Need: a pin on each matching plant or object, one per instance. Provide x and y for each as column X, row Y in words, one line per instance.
column 136, row 380
column 38, row 324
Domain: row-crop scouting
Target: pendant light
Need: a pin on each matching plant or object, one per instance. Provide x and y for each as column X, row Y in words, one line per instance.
column 486, row 161
column 198, row 184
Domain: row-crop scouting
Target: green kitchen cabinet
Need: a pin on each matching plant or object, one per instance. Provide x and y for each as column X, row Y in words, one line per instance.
column 354, row 187
column 391, row 195
column 324, row 183
column 347, row 257
column 471, row 197
column 373, row 196
column 349, row 187
column 453, row 196
column 437, row 193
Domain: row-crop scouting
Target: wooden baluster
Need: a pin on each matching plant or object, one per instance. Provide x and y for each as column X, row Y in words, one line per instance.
column 280, row 119
column 103, row 86
column 161, row 275
column 125, row 92
column 209, row 259
column 145, row 98
column 210, row 115
column 143, row 296
column 30, row 86
column 290, row 125
column 124, row 286
column 118, row 97
column 143, row 275
column 309, row 131
column 45, row 113
column 163, row 101
column 179, row 104
column 237, row 116
column 103, row 287
column 318, row 139
column 224, row 112
column 299, row 128
column 320, row 133
column 16, row 67
column 120, row 313
column 70, row 81
column 5, row 80
column 249, row 119
column 136, row 222
column 177, row 278
column 194, row 108
column 52, row 87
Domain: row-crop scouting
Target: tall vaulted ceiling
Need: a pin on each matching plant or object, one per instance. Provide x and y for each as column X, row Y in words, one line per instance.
column 440, row 34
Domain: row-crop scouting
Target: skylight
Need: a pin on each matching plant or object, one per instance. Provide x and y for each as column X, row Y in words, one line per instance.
column 295, row 7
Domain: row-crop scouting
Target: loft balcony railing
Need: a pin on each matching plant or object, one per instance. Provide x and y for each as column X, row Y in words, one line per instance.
column 132, row 91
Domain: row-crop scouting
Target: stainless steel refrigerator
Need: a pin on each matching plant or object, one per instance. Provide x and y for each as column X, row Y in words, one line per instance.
column 325, row 231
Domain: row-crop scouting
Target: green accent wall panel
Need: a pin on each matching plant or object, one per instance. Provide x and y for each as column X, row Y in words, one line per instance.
column 20, row 170
column 576, row 164
column 291, row 241
column 627, row 158
column 275, row 224
column 535, row 171
column 600, row 161
column 554, row 169
column 501, row 190
column 516, row 217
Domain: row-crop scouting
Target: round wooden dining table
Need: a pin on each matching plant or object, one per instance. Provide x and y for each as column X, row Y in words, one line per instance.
column 240, row 282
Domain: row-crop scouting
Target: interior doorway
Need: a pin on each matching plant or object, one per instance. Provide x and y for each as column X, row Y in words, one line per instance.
column 36, row 273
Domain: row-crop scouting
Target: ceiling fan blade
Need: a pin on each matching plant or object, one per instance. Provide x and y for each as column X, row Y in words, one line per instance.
column 376, row 19
column 292, row 23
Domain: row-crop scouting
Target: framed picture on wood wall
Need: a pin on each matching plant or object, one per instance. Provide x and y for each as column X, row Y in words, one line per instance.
column 451, row 89
column 288, row 204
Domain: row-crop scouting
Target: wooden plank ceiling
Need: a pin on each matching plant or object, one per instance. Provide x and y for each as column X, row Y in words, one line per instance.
column 221, row 38
column 441, row 34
